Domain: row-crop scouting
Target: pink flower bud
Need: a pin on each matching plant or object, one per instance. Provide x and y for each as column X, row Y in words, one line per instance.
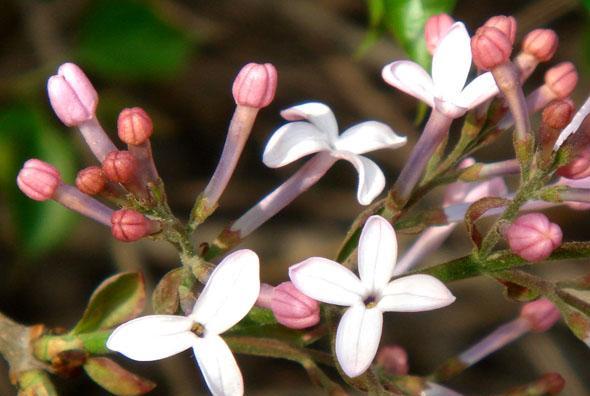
column 558, row 113
column 292, row 308
column 541, row 314
column 128, row 225
column 119, row 166
column 134, row 126
column 91, row 180
column 72, row 95
column 490, row 48
column 533, row 237
column 541, row 43
column 579, row 167
column 505, row 24
column 38, row 180
column 255, row 85
column 562, row 79
column 552, row 383
column 435, row 29
column 393, row 359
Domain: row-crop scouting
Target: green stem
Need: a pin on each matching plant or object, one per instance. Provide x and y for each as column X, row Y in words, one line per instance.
column 47, row 347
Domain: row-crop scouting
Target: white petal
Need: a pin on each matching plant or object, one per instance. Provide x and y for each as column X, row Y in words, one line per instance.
column 327, row 281
column 293, row 141
column 410, row 78
column 218, row 365
column 377, row 251
column 451, row 62
column 357, row 338
column 230, row 292
column 574, row 124
column 152, row 337
column 318, row 114
column 371, row 179
column 368, row 136
column 415, row 293
column 480, row 89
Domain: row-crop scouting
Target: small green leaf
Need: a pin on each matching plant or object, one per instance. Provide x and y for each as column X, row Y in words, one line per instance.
column 115, row 378
column 518, row 293
column 118, row 299
column 165, row 297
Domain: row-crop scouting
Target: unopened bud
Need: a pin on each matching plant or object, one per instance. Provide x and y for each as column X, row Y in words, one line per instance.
column 558, row 113
column 541, row 314
column 38, row 180
column 553, row 383
column 393, row 359
column 533, row 237
column 505, row 24
column 72, row 95
column 541, row 43
column 490, row 48
column 562, row 79
column 579, row 167
column 119, row 166
column 255, row 85
column 292, row 308
column 91, row 180
column 435, row 29
column 134, row 126
column 128, row 225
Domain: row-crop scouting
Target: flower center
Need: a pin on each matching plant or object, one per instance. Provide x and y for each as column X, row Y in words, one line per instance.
column 370, row 301
column 198, row 329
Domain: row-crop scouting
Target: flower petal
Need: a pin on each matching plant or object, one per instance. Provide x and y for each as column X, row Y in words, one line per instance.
column 574, row 124
column 357, row 338
column 371, row 179
column 480, row 89
column 327, row 281
column 368, row 136
column 451, row 62
column 152, row 337
column 320, row 115
column 410, row 78
column 218, row 365
column 415, row 293
column 230, row 292
column 293, row 141
column 377, row 250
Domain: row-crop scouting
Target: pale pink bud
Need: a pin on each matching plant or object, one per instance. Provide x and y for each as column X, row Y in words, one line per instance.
column 393, row 359
column 128, row 225
column 119, row 166
column 134, row 126
column 255, row 85
column 38, row 180
column 91, row 180
column 533, row 237
column 292, row 308
column 435, row 29
column 490, row 48
column 541, row 43
column 505, row 24
column 562, row 79
column 541, row 314
column 72, row 95
column 579, row 167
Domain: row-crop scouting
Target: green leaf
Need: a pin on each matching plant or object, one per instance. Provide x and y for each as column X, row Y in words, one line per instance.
column 126, row 39
column 165, row 297
column 118, row 299
column 115, row 378
column 586, row 3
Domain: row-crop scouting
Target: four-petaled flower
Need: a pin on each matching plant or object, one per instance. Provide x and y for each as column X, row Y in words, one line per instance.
column 445, row 91
column 319, row 133
column 359, row 330
column 228, row 296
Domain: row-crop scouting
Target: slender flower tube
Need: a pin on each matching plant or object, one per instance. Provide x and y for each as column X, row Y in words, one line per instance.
column 41, row 181
column 369, row 295
column 533, row 237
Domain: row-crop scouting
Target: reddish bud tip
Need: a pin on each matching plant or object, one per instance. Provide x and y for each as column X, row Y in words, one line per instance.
column 562, row 79
column 129, row 225
column 505, row 24
column 541, row 43
column 533, row 237
column 553, row 383
column 577, row 168
column 435, row 29
column 91, row 180
column 119, row 166
column 541, row 314
column 38, row 180
column 394, row 360
column 490, row 48
column 292, row 308
column 134, row 126
column 255, row 85
column 559, row 113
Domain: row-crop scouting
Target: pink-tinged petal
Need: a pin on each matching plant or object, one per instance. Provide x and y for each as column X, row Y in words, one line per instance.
column 480, row 89
column 293, row 141
column 230, row 292
column 411, row 78
column 152, row 337
column 371, row 179
column 377, row 252
column 218, row 365
column 320, row 115
column 415, row 293
column 495, row 187
column 574, row 124
column 368, row 136
column 451, row 62
column 357, row 338
column 327, row 281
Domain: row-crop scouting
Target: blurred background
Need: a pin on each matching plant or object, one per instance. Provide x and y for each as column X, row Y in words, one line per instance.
column 177, row 60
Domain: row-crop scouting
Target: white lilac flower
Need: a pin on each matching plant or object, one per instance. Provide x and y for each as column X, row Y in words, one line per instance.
column 574, row 124
column 359, row 330
column 315, row 130
column 445, row 91
column 228, row 296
